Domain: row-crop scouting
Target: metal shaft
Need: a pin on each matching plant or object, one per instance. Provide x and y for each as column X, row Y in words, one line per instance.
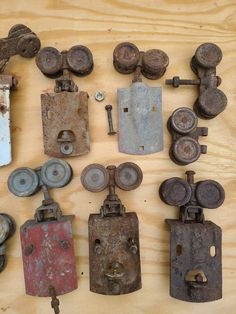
column 176, row 82
column 110, row 123
column 190, row 176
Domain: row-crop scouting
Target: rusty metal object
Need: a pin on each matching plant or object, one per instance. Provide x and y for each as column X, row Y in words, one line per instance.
column 47, row 240
column 140, row 106
column 114, row 252
column 185, row 148
column 108, row 108
column 7, row 229
column 21, row 40
column 127, row 59
column 211, row 100
column 65, row 112
column 195, row 244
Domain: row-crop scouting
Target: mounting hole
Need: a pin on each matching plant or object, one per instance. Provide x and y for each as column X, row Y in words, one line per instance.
column 178, row 249
column 141, row 148
column 213, row 251
column 154, row 108
column 126, row 109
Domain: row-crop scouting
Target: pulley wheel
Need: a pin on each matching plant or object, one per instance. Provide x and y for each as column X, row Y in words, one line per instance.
column 155, row 62
column 126, row 57
column 95, row 178
column 208, row 55
column 186, row 150
column 28, row 46
column 175, row 192
column 49, row 61
column 210, row 194
column 128, row 176
column 183, row 120
column 80, row 60
column 23, row 182
column 18, row 29
column 56, row 173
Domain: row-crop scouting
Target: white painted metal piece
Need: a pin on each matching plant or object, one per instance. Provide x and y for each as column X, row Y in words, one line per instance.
column 5, row 134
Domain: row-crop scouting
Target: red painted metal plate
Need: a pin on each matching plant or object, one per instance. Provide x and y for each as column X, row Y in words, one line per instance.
column 48, row 256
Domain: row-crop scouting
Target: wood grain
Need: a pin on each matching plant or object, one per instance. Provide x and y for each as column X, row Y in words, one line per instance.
column 177, row 27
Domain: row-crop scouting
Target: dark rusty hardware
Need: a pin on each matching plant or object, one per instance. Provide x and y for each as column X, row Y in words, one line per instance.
column 114, row 252
column 21, row 40
column 195, row 244
column 7, row 229
column 140, row 106
column 47, row 240
column 65, row 112
column 185, row 148
column 211, row 100
column 108, row 108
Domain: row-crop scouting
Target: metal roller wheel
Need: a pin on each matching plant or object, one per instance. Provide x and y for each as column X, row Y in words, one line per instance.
column 28, row 46
column 155, row 62
column 49, row 61
column 208, row 55
column 210, row 194
column 126, row 57
column 95, row 178
column 128, row 176
column 80, row 60
column 183, row 120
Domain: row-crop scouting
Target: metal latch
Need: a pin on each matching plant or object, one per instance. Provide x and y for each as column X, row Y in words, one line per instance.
column 114, row 257
column 47, row 240
column 21, row 40
column 195, row 244
column 65, row 112
column 211, row 101
column 185, row 148
column 140, row 106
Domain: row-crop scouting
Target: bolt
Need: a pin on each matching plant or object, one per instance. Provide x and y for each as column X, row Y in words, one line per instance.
column 65, row 244
column 176, row 82
column 109, row 116
column 190, row 176
column 98, row 249
column 99, row 96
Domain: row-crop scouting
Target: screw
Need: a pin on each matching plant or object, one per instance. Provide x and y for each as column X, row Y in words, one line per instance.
column 190, row 176
column 99, row 96
column 109, row 116
column 176, row 82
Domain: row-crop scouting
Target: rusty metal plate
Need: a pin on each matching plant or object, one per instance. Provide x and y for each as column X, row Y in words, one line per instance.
column 140, row 119
column 48, row 256
column 65, row 124
column 114, row 258
column 195, row 261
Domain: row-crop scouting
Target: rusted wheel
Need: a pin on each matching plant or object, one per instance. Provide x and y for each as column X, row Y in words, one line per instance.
column 95, row 178
column 56, row 173
column 210, row 194
column 28, row 46
column 154, row 65
column 208, row 55
column 126, row 57
column 49, row 61
column 183, row 120
column 128, row 176
column 80, row 60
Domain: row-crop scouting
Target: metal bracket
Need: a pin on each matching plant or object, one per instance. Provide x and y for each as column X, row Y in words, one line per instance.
column 114, row 258
column 211, row 100
column 140, row 106
column 46, row 241
column 195, row 244
column 185, row 148
column 65, row 112
column 21, row 40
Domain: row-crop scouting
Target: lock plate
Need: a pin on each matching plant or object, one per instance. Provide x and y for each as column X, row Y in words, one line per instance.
column 195, row 253
column 48, row 256
column 65, row 124
column 114, row 258
column 140, row 119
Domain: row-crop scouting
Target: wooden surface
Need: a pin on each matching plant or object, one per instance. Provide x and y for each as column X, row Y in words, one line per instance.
column 178, row 28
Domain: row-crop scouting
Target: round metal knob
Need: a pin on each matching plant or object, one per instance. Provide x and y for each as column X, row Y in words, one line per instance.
column 28, row 46
column 210, row 103
column 23, row 182
column 210, row 194
column 183, row 120
column 208, row 55
column 154, row 63
column 49, row 61
column 56, row 173
column 7, row 227
column 126, row 57
column 95, row 178
column 186, row 150
column 128, row 176
column 80, row 60
column 175, row 192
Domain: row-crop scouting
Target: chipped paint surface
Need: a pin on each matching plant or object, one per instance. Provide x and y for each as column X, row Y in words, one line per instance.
column 48, row 257
column 5, row 134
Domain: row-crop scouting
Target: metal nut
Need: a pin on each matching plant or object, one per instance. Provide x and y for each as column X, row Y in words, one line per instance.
column 99, row 96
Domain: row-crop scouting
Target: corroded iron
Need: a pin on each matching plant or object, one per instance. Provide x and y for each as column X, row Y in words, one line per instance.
column 7, row 229
column 185, row 148
column 47, row 240
column 108, row 108
column 114, row 252
column 140, row 106
column 21, row 40
column 195, row 244
column 65, row 112
column 211, row 101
